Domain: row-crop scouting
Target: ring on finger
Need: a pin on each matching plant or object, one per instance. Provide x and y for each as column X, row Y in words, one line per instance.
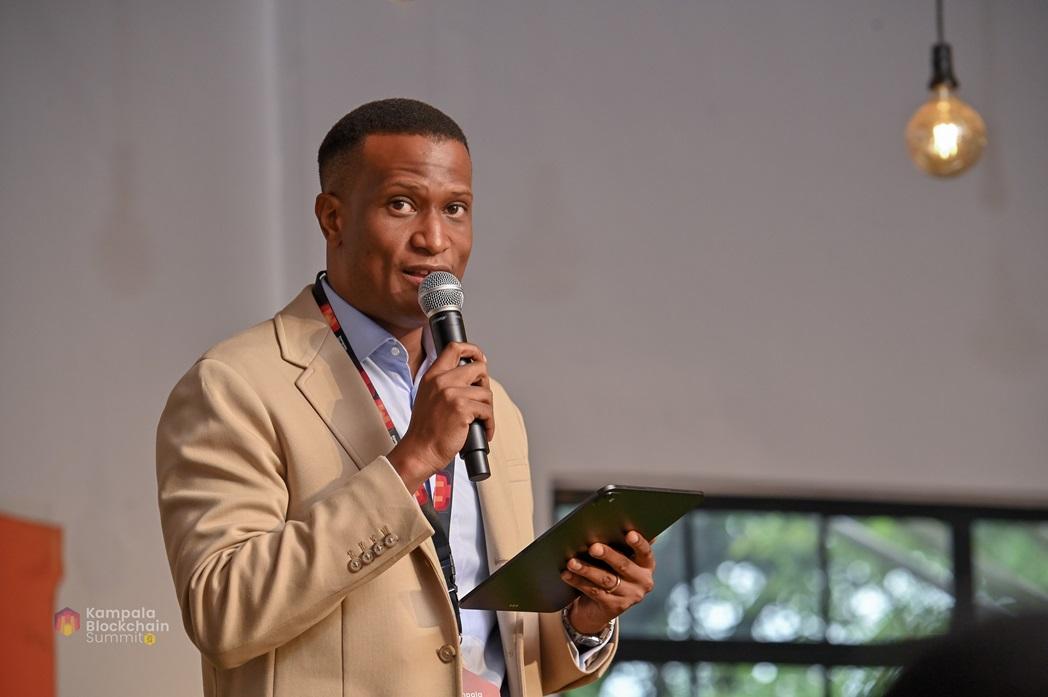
column 618, row 580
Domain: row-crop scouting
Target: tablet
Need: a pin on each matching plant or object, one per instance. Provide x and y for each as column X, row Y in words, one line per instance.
column 530, row 581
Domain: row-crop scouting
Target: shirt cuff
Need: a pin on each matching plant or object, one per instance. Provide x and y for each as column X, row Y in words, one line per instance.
column 592, row 655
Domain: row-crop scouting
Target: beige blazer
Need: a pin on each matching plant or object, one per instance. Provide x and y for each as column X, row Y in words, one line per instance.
column 272, row 475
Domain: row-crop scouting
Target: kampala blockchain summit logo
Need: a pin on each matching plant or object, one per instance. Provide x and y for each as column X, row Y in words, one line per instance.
column 113, row 625
column 67, row 621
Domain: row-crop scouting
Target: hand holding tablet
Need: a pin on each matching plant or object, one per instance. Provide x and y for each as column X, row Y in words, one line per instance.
column 532, row 581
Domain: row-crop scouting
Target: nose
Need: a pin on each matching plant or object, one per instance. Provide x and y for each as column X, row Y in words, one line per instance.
column 430, row 236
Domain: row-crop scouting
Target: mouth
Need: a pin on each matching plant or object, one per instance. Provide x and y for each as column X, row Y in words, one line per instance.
column 417, row 274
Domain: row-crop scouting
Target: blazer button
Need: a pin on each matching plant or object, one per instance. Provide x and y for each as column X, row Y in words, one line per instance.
column 378, row 548
column 354, row 565
column 390, row 540
column 447, row 653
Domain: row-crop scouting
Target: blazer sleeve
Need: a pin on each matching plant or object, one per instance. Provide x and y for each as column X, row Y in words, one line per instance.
column 248, row 579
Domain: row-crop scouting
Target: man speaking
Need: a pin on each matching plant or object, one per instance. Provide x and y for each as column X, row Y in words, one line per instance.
column 316, row 515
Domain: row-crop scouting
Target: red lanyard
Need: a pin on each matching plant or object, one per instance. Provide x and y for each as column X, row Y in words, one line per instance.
column 329, row 314
column 436, row 508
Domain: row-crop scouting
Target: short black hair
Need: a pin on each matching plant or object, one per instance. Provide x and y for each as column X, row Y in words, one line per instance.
column 389, row 116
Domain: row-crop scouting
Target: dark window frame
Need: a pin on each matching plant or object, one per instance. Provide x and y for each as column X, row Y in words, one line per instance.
column 959, row 519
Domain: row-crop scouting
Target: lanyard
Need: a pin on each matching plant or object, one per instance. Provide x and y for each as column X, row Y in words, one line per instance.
column 436, row 504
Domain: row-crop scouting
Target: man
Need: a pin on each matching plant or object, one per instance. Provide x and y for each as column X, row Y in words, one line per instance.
column 301, row 464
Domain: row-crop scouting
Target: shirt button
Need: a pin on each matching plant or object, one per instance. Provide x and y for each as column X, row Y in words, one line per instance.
column 447, row 653
column 395, row 351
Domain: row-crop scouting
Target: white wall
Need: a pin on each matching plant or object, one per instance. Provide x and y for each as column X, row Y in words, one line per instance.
column 707, row 212
column 137, row 229
column 703, row 211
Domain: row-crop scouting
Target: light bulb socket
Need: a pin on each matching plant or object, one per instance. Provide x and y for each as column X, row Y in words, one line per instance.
column 942, row 66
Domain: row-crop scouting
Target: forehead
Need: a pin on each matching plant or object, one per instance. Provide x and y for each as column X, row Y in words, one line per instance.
column 421, row 159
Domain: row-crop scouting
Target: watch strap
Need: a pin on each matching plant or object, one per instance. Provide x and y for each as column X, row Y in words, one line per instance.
column 586, row 641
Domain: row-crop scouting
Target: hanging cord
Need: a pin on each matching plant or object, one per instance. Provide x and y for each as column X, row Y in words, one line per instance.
column 938, row 20
column 942, row 60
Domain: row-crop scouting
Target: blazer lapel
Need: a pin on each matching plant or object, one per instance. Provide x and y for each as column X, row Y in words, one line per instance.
column 330, row 382
column 500, row 527
column 502, row 538
column 340, row 398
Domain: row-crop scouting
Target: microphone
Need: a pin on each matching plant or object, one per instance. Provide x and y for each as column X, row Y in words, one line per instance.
column 440, row 296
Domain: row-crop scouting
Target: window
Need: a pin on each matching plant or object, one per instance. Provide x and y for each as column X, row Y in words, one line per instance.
column 815, row 598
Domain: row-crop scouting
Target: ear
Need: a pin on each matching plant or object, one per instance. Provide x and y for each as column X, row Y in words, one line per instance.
column 329, row 214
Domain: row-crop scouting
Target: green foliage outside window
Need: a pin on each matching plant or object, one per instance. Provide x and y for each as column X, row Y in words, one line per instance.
column 640, row 679
column 817, row 579
column 1011, row 565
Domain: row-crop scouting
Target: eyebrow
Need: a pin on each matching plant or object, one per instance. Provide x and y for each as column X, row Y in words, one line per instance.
column 415, row 187
column 403, row 184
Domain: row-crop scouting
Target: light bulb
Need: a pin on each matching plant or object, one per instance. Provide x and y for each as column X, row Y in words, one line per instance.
column 945, row 136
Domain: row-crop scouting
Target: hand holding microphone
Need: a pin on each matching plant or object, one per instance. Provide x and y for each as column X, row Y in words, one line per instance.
column 453, row 409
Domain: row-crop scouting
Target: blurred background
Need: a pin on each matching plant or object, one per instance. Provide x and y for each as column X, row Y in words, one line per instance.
column 702, row 258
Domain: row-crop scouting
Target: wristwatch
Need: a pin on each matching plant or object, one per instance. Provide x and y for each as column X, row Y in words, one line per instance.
column 586, row 641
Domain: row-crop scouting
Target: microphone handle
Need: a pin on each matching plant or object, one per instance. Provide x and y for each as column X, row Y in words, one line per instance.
column 447, row 326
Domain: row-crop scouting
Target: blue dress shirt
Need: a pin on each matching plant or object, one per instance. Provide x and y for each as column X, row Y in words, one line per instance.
column 385, row 360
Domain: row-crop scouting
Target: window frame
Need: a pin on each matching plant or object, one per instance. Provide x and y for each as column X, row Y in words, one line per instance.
column 958, row 518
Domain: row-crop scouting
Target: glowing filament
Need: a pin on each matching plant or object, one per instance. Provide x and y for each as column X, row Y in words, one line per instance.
column 944, row 139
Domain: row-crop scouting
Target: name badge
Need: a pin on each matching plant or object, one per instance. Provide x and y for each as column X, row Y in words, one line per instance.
column 475, row 686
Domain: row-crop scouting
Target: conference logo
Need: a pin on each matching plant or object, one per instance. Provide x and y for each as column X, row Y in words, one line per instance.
column 67, row 621
column 138, row 625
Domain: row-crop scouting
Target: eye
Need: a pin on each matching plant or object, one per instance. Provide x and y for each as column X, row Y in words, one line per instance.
column 401, row 206
column 456, row 210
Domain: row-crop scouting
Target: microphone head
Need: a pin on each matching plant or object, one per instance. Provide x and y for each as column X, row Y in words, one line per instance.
column 440, row 291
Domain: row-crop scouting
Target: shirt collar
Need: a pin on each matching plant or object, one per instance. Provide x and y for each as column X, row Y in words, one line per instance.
column 364, row 334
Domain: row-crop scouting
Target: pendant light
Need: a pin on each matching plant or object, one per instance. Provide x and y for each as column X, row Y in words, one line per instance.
column 945, row 136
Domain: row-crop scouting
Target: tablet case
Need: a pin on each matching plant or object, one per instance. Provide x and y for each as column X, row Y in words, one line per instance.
column 530, row 581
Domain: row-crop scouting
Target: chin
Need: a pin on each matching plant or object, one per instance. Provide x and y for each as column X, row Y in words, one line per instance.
column 406, row 319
